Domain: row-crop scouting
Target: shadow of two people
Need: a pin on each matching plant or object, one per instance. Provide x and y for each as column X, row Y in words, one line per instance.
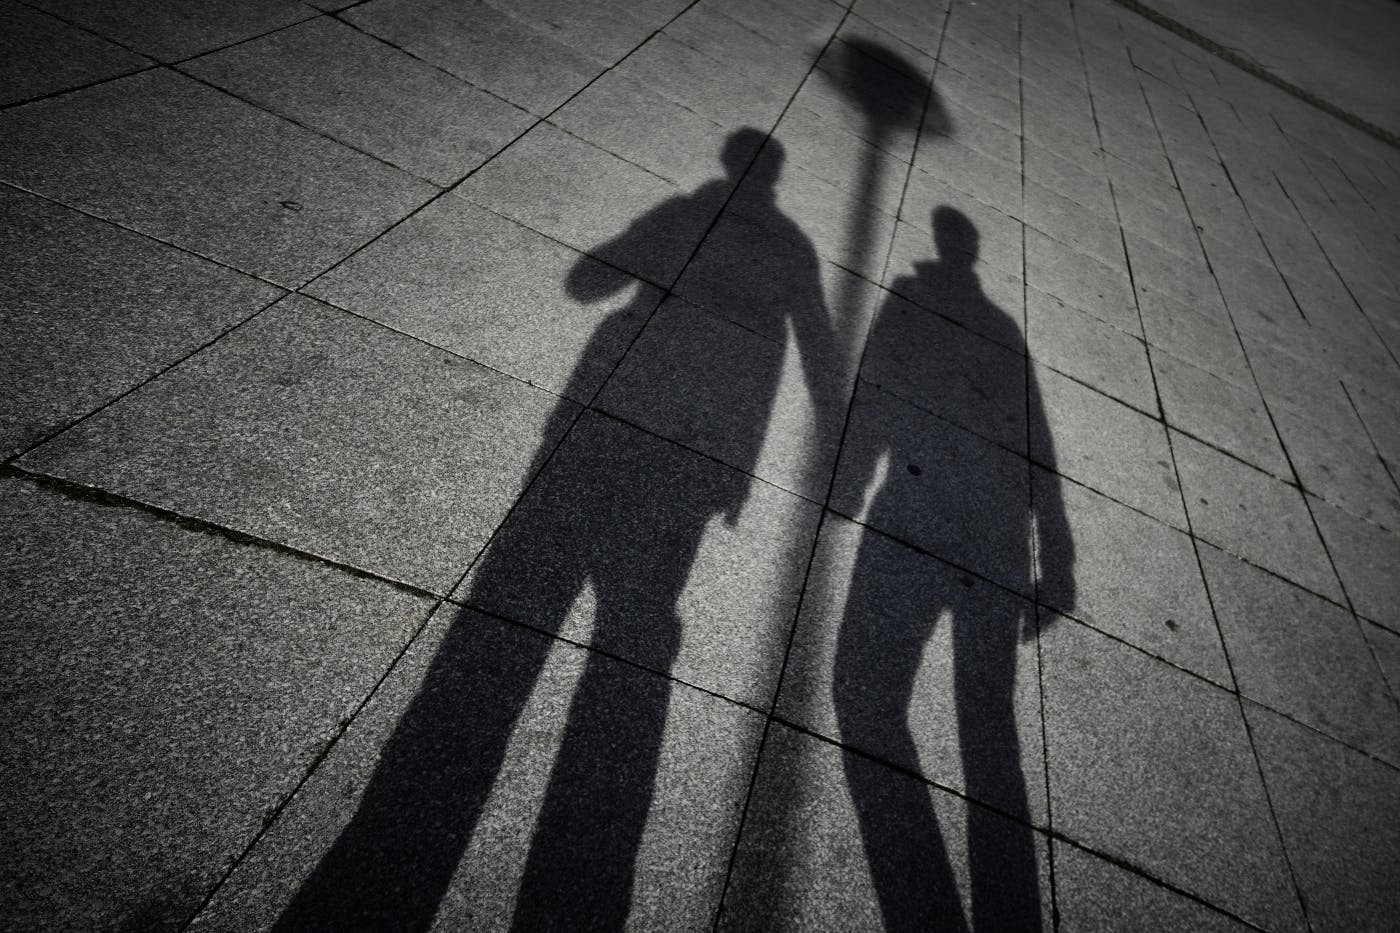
column 597, row 515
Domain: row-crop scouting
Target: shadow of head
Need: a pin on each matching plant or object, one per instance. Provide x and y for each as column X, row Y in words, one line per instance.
column 955, row 236
column 738, row 152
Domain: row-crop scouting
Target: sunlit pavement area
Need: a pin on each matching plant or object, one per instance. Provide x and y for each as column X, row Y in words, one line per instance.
column 689, row 465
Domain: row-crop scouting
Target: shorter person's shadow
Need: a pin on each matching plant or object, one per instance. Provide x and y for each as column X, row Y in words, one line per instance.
column 895, row 600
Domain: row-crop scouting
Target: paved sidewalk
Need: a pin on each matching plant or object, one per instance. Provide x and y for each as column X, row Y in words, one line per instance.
column 690, row 465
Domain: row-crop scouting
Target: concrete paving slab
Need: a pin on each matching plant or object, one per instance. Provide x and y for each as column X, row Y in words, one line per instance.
column 501, row 776
column 1093, row 352
column 473, row 282
column 1081, row 281
column 841, row 158
column 803, row 863
column 1338, row 463
column 1150, row 765
column 795, row 24
column 709, row 87
column 1162, row 279
column 1209, row 342
column 1338, row 832
column 1290, row 382
column 574, row 192
column 942, row 489
column 1086, row 230
column 988, row 180
column 970, row 93
column 996, row 237
column 1083, row 183
column 1252, row 515
column 154, row 150
column 1094, row 894
column 320, row 430
column 605, row 30
column 721, row 37
column 40, row 55
column 1129, row 576
column 80, row 334
column 165, row 690
column 985, row 137
column 693, row 567
column 905, row 658
column 169, row 30
column 1105, row 445
column 989, row 67
column 1302, row 656
column 1221, row 413
column 1365, row 556
column 342, row 82
column 1385, row 643
column 483, row 46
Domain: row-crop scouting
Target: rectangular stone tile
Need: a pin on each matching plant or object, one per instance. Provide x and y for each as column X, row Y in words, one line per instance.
column 971, row 130
column 604, row 30
column 1083, row 346
column 984, row 297
column 935, row 486
column 42, row 55
column 1208, row 342
column 1125, row 574
column 1386, row 645
column 705, row 85
column 948, row 370
column 90, row 310
column 958, row 87
column 710, row 32
column 471, row 281
column 1081, row 281
column 1302, row 656
column 479, row 44
column 1366, row 557
column 1084, row 184
column 340, row 81
column 995, row 73
column 164, row 689
column 1105, row 445
column 1163, row 279
column 1167, row 225
column 794, row 24
column 1336, row 812
column 835, row 840
column 185, row 163
column 169, row 30
column 1253, row 515
column 692, row 567
column 1094, row 894
column 858, row 91
column 918, row 664
column 1336, row 461
column 994, row 238
column 889, row 43
column 1222, row 413
column 1086, row 230
column 325, row 432
column 1152, row 766
column 841, row 158
column 499, row 775
column 751, row 402
column 574, row 192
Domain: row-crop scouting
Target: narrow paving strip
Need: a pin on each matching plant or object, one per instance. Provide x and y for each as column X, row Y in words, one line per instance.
column 690, row 464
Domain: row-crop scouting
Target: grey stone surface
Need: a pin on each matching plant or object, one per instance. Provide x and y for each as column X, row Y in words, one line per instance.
column 920, row 665
column 1386, row 645
column 165, row 689
column 1107, row 446
column 574, row 192
column 1085, row 184
column 1185, row 281
column 965, row 302
column 1150, row 765
column 1093, row 894
column 1081, row 281
column 340, row 81
column 1366, row 557
column 705, row 85
column 1252, row 515
column 1084, row 347
column 1086, row 230
column 999, row 234
column 40, row 55
column 1227, row 415
column 1335, row 460
column 692, row 567
column 484, row 46
column 1209, row 342
column 936, row 486
column 801, row 862
column 713, row 33
column 173, row 29
column 328, row 433
column 1336, row 823
column 1132, row 577
column 1302, row 656
column 473, row 282
column 185, row 163
column 79, row 334
column 494, row 830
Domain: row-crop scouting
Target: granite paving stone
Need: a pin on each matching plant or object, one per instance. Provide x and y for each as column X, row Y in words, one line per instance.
column 841, row 158
column 77, row 335
column 1094, row 894
column 169, row 30
column 478, row 284
column 1208, row 341
column 989, row 181
column 1091, row 351
column 1386, row 645
column 999, row 235
column 990, row 302
column 971, row 94
column 454, row 753
column 705, row 85
column 1150, row 765
column 1081, row 281
column 990, row 140
column 40, row 54
column 1338, row 830
column 1130, row 576
column 155, row 151
column 164, row 689
column 1338, row 463
column 1365, row 556
column 1226, row 415
column 693, row 567
column 348, row 85
column 1302, row 656
column 329, row 433
column 1107, row 446
column 711, row 32
column 908, row 659
column 601, row 29
column 1162, row 280
column 801, row 862
column 795, row 24
column 1252, row 515
column 1083, row 183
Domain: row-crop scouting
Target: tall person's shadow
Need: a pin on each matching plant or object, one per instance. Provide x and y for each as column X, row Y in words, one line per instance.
column 962, row 513
column 596, row 516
